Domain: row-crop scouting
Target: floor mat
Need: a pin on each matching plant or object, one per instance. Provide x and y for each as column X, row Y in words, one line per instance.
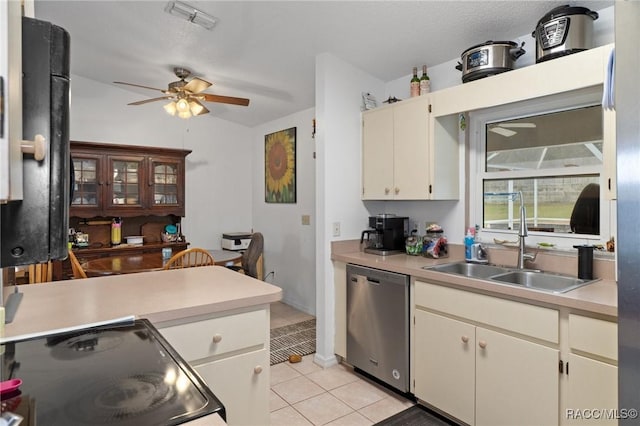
column 415, row 416
column 299, row 338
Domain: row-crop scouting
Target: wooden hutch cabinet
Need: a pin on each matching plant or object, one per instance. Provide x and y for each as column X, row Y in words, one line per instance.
column 143, row 185
column 127, row 180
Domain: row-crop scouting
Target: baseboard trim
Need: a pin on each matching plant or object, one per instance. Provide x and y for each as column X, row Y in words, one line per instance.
column 298, row 306
column 325, row 362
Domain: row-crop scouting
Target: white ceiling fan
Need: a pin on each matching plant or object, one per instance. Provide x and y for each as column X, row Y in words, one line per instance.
column 504, row 129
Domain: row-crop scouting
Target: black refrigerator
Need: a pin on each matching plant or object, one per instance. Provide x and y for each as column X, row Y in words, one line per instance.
column 35, row 229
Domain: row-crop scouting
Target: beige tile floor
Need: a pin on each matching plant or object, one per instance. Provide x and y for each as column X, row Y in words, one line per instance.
column 306, row 394
column 283, row 314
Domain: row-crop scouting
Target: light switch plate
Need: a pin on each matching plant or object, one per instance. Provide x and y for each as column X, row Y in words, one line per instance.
column 306, row 219
column 336, row 229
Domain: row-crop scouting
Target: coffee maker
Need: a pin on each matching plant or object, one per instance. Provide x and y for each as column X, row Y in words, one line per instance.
column 386, row 235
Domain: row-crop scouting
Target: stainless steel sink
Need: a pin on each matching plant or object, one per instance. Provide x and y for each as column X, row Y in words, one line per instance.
column 545, row 281
column 472, row 270
column 537, row 280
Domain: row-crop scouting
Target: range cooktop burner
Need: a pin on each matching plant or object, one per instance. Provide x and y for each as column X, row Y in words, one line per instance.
column 124, row 398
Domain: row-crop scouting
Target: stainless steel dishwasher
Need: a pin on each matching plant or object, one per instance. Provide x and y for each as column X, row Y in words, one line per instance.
column 378, row 324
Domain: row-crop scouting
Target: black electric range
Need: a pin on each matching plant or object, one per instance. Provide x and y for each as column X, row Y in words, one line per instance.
column 116, row 375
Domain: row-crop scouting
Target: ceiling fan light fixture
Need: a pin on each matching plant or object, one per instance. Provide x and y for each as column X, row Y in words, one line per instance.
column 191, row 14
column 171, row 108
column 182, row 105
column 196, row 108
column 184, row 114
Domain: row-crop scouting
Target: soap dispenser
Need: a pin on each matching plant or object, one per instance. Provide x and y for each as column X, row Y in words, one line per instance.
column 468, row 244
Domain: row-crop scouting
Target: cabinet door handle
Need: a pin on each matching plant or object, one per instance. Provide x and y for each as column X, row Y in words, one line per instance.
column 217, row 338
column 482, row 344
column 257, row 369
column 397, row 190
column 465, row 339
column 386, row 191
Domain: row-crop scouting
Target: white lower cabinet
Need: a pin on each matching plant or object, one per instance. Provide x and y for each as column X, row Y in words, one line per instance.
column 591, row 373
column 467, row 368
column 240, row 382
column 516, row 381
column 592, row 392
column 230, row 351
column 445, row 364
column 483, row 377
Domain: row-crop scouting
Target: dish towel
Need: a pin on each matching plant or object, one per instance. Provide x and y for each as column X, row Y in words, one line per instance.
column 609, row 83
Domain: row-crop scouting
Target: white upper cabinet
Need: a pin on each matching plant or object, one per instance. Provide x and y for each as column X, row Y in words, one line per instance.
column 400, row 160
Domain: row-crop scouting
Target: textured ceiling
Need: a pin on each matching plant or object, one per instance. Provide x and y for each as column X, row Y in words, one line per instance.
column 265, row 50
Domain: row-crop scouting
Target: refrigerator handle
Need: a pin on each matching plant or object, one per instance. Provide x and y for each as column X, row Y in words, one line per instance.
column 37, row 147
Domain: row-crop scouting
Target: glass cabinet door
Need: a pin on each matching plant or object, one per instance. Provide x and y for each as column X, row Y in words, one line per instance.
column 87, row 185
column 125, row 179
column 166, row 183
column 85, row 188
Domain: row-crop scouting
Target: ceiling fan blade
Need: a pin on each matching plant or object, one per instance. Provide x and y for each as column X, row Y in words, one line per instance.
column 224, row 99
column 502, row 131
column 139, row 85
column 518, row 125
column 197, row 85
column 151, row 100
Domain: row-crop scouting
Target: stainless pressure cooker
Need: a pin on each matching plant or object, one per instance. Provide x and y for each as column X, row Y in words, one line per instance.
column 562, row 31
column 489, row 58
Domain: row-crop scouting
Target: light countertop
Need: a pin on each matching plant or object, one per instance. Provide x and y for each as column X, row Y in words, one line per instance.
column 599, row 298
column 158, row 296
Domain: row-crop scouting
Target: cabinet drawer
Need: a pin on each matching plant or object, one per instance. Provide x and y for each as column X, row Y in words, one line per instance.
column 217, row 336
column 594, row 336
column 530, row 320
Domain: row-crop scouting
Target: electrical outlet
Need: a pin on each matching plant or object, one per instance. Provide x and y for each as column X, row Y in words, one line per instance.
column 336, row 229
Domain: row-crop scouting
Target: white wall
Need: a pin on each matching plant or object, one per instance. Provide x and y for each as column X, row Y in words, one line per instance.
column 339, row 88
column 289, row 245
column 218, row 171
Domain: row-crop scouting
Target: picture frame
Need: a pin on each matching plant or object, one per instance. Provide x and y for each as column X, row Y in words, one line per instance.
column 280, row 166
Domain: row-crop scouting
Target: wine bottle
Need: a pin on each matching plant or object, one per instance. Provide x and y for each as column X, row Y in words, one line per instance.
column 425, row 82
column 415, row 83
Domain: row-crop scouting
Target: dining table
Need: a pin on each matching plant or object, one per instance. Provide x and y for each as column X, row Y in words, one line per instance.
column 145, row 262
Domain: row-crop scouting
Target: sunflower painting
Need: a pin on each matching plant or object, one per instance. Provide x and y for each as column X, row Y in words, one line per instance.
column 280, row 166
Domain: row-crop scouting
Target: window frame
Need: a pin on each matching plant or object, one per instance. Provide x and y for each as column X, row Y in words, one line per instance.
column 477, row 147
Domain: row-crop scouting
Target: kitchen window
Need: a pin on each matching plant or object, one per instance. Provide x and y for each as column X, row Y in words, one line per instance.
column 550, row 152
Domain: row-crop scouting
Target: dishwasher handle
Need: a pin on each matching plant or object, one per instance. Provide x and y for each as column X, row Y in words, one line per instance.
column 356, row 278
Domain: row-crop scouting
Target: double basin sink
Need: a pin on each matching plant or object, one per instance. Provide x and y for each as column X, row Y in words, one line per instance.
column 533, row 279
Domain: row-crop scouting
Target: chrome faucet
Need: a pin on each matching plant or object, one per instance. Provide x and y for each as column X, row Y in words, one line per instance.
column 522, row 233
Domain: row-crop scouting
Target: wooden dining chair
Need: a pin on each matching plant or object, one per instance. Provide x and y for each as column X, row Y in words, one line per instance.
column 190, row 258
column 78, row 272
column 40, row 273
